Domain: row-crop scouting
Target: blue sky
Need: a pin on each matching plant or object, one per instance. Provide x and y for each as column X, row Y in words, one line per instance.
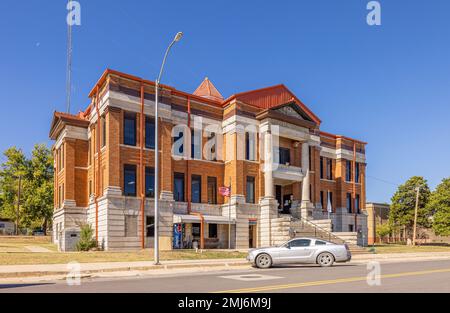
column 387, row 85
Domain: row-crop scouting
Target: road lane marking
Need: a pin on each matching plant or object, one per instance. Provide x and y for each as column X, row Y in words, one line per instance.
column 251, row 277
column 330, row 282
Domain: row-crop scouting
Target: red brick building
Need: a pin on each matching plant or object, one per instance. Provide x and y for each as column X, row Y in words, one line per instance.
column 266, row 144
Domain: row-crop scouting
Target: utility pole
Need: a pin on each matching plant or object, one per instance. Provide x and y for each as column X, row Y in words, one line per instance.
column 69, row 66
column 18, row 205
column 415, row 216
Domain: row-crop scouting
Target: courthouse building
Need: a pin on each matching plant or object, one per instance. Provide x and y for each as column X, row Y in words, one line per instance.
column 265, row 144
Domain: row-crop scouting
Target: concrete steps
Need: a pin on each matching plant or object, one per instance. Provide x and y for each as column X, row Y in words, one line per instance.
column 321, row 229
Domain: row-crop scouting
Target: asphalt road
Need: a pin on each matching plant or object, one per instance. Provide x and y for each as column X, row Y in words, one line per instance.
column 431, row 276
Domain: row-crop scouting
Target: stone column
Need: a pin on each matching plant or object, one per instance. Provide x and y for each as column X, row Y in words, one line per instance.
column 268, row 204
column 268, row 162
column 306, row 205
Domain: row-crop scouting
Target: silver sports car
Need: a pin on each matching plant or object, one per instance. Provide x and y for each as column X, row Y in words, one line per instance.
column 300, row 250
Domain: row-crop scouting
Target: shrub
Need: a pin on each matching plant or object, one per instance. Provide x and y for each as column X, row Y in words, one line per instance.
column 86, row 242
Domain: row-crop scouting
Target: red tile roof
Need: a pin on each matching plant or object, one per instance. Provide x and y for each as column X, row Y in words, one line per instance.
column 272, row 97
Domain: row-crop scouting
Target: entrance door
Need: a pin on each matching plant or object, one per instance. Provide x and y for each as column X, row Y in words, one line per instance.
column 252, row 236
column 279, row 197
column 287, row 204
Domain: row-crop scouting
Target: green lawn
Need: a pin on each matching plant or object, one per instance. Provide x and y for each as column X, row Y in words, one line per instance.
column 13, row 252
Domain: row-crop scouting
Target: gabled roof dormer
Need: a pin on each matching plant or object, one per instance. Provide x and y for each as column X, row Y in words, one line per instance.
column 208, row 90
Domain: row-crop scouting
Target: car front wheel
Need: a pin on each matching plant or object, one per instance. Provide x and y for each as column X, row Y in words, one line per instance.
column 325, row 259
column 263, row 261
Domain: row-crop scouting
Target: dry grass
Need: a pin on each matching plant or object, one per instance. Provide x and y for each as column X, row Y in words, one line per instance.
column 13, row 252
column 16, row 258
column 19, row 244
column 394, row 248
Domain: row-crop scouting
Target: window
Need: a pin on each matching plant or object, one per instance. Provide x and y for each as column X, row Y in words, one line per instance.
column 329, row 169
column 212, row 155
column 103, row 124
column 250, row 146
column 180, row 151
column 212, row 190
column 129, row 129
column 178, row 183
column 351, row 228
column 322, row 176
column 349, row 203
column 131, row 226
column 322, row 199
column 196, row 143
column 320, row 243
column 348, row 171
column 250, row 195
column 331, row 199
column 149, row 133
column 310, row 158
column 150, row 222
column 60, row 196
column 285, row 155
column 149, row 182
column 90, row 152
column 357, row 204
column 90, row 188
column 357, row 173
column 61, row 156
column 300, row 243
column 196, row 230
column 196, row 189
column 129, row 180
column 212, row 231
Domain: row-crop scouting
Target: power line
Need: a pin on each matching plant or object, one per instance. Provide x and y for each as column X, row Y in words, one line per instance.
column 383, row 180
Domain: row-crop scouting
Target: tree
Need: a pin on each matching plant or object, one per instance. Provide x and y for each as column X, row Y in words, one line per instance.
column 401, row 215
column 383, row 230
column 38, row 188
column 36, row 205
column 439, row 205
column 15, row 165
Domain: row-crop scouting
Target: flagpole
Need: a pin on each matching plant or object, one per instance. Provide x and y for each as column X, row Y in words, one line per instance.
column 229, row 218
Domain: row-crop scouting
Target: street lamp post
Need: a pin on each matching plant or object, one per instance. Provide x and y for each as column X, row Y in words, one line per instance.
column 177, row 38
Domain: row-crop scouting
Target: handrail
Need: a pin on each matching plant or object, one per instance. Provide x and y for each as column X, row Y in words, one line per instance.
column 317, row 227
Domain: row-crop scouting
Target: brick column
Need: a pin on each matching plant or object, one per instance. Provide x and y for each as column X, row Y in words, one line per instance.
column 166, row 161
column 112, row 179
column 69, row 146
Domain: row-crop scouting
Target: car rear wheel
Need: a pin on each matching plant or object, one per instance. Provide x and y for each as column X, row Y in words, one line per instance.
column 325, row 259
column 263, row 261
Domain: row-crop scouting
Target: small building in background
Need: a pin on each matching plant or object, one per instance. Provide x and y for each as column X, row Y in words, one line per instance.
column 377, row 214
column 7, row 227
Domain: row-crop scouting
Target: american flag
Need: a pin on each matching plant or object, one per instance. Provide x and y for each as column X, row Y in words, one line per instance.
column 225, row 191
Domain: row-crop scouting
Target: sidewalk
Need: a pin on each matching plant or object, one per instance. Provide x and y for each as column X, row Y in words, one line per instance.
column 117, row 269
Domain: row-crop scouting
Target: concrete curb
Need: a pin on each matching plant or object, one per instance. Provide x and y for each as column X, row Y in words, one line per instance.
column 87, row 273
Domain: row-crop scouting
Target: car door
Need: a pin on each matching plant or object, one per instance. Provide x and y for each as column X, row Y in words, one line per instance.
column 296, row 251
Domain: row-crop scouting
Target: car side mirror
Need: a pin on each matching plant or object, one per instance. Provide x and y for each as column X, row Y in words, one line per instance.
column 288, row 246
